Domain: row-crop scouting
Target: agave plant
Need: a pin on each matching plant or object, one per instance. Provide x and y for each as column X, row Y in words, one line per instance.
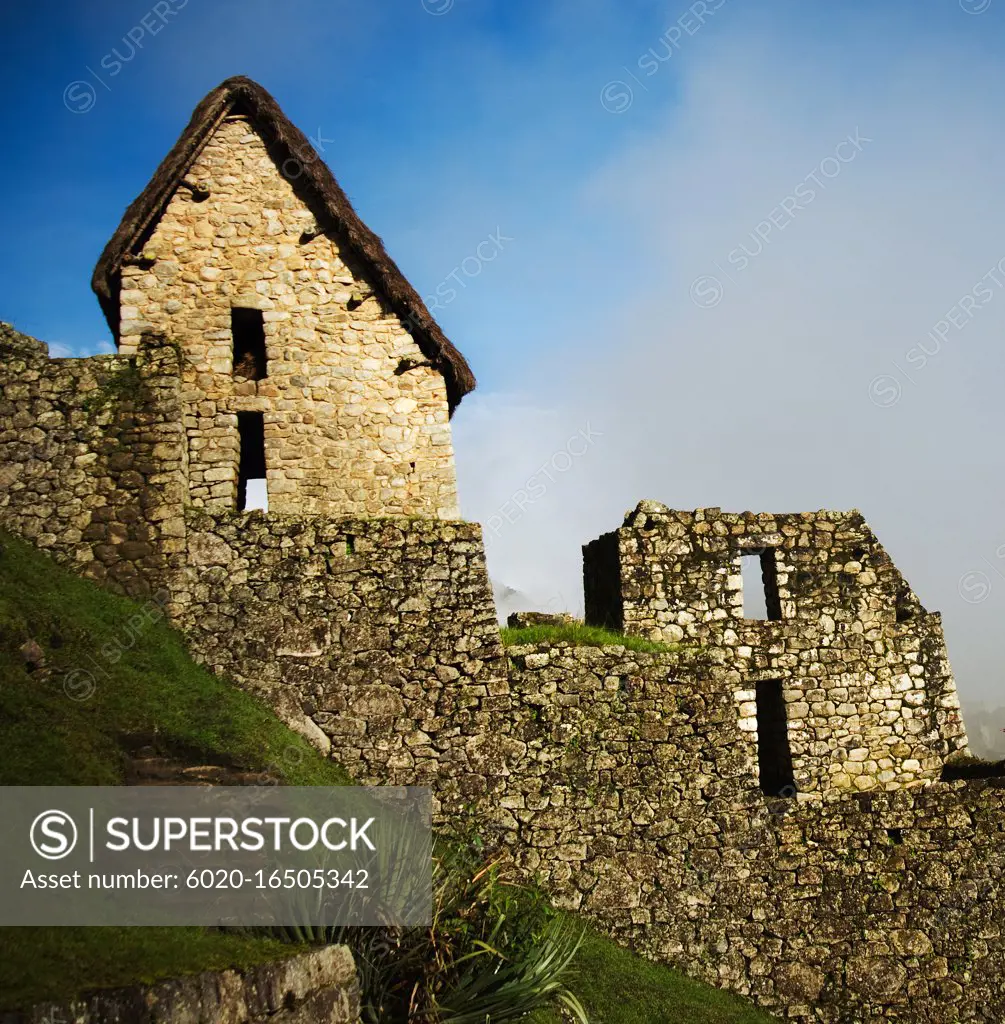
column 493, row 987
column 493, row 953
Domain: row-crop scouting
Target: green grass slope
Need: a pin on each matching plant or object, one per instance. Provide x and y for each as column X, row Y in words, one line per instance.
column 617, row 987
column 114, row 675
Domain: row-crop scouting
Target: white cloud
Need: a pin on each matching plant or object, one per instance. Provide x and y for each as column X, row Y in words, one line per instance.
column 66, row 350
column 763, row 401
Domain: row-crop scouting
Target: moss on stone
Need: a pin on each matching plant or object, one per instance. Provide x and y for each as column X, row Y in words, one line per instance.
column 124, row 387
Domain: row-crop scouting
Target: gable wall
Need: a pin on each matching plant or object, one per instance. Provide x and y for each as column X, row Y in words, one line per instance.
column 344, row 433
column 871, row 702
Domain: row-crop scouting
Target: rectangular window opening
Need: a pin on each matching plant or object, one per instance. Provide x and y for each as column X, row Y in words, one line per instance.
column 251, row 485
column 774, row 756
column 247, row 328
column 759, row 575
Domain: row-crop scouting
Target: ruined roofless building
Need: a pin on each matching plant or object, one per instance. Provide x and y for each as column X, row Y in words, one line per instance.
column 842, row 682
column 308, row 360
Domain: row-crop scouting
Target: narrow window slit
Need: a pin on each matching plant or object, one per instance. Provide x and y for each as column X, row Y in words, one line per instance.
column 759, row 578
column 774, row 755
column 350, row 545
column 247, row 328
column 252, row 491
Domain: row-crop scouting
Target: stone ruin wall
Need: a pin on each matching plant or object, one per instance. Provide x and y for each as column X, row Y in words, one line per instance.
column 92, row 459
column 631, row 791
column 377, row 638
column 624, row 782
column 869, row 696
column 349, row 428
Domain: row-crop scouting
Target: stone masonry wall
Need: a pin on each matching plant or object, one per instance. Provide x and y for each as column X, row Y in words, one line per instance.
column 378, row 637
column 92, row 459
column 379, row 634
column 636, row 801
column 870, row 699
column 626, row 782
column 356, row 421
column 319, row 987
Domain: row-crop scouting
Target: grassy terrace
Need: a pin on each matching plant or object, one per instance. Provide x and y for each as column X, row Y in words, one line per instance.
column 114, row 675
column 42, row 964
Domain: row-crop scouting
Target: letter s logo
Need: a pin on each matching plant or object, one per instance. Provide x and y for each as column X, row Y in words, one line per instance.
column 53, row 835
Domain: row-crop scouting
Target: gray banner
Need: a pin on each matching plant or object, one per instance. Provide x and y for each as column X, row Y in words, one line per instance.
column 194, row 855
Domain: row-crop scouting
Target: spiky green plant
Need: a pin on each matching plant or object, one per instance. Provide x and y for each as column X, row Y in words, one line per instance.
column 493, row 953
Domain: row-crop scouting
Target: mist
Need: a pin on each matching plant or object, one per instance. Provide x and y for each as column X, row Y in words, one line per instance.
column 740, row 342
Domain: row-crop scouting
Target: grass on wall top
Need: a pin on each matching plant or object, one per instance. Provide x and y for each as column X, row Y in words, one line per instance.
column 584, row 636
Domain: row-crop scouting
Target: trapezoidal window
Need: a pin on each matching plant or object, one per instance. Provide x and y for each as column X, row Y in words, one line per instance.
column 251, row 489
column 759, row 574
column 774, row 755
column 247, row 328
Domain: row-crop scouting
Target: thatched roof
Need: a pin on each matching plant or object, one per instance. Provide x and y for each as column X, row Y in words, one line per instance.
column 314, row 180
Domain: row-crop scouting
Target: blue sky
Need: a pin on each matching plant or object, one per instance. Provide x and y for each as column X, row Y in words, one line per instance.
column 441, row 128
column 661, row 282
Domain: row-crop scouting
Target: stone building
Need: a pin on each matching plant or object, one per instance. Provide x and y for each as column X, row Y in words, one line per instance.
column 842, row 677
column 308, row 360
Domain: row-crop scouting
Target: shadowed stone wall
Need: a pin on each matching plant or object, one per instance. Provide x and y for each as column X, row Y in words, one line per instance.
column 637, row 802
column 92, row 459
